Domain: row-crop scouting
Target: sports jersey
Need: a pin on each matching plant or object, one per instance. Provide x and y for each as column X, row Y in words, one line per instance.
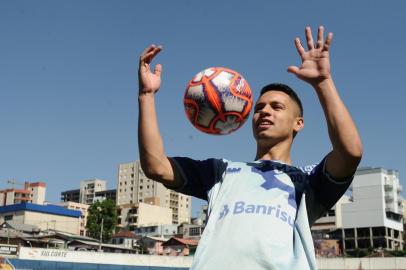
column 259, row 213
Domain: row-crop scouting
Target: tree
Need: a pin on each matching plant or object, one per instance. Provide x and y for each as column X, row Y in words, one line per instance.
column 106, row 212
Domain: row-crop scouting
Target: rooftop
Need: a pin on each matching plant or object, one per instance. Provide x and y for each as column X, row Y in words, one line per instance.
column 47, row 209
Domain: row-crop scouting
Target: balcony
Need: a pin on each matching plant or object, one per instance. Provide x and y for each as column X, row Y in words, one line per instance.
column 388, row 187
column 388, row 197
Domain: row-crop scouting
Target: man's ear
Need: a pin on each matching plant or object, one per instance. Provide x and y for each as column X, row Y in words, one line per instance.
column 299, row 124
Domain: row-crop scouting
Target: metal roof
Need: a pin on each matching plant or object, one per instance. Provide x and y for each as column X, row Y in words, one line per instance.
column 48, row 209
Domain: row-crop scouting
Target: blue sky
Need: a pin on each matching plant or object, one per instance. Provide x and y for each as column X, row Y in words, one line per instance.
column 68, row 79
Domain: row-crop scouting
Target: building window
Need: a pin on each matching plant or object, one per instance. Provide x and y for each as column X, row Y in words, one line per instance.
column 194, row 231
column 8, row 217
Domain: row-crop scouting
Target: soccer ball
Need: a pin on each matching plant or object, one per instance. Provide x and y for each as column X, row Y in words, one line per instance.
column 218, row 100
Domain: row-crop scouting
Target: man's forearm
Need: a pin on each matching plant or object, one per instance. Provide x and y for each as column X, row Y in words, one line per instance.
column 346, row 142
column 152, row 155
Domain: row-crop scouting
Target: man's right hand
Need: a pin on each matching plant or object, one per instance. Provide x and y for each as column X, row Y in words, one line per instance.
column 149, row 82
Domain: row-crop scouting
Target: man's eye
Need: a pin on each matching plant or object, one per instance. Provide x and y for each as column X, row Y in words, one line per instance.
column 258, row 108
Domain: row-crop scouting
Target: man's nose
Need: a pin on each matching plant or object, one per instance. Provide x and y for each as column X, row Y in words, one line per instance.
column 266, row 110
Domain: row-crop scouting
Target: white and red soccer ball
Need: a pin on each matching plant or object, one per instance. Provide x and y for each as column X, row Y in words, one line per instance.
column 218, row 100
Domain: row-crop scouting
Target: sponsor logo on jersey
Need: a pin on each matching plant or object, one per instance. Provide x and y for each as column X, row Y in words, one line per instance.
column 243, row 208
column 224, row 212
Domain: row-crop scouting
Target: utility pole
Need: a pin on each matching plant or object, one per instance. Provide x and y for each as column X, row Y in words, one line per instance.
column 101, row 235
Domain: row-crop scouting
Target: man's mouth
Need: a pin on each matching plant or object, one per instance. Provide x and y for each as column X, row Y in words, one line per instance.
column 264, row 124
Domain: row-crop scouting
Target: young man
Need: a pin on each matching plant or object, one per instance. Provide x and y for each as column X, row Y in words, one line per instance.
column 260, row 212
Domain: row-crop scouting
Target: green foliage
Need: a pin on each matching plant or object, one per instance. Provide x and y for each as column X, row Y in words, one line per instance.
column 398, row 253
column 98, row 211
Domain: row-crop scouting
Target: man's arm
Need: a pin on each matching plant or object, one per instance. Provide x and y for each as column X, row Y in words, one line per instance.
column 154, row 161
column 343, row 160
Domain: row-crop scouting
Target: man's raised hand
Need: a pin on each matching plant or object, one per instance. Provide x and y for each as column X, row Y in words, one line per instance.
column 149, row 82
column 315, row 66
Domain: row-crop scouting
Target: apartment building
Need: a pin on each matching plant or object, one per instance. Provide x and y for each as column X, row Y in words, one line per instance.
column 83, row 208
column 372, row 216
column 134, row 187
column 30, row 193
column 88, row 189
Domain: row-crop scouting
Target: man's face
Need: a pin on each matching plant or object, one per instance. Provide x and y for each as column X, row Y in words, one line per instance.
column 276, row 117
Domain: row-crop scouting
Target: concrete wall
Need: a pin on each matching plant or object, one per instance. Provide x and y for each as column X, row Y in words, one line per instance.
column 47, row 221
column 83, row 208
column 184, row 262
column 153, row 215
column 38, row 194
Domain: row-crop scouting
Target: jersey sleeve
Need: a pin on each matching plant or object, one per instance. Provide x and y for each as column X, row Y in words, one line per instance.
column 198, row 176
column 323, row 191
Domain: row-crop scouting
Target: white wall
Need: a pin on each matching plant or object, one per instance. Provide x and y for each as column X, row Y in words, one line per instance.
column 149, row 215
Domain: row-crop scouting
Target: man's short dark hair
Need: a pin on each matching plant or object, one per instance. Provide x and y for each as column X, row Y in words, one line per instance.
column 285, row 89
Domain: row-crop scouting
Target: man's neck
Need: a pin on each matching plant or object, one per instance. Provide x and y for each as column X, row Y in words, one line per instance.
column 279, row 152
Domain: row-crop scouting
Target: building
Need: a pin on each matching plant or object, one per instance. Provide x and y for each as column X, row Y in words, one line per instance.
column 45, row 217
column 31, row 193
column 191, row 231
column 126, row 239
column 106, row 195
column 131, row 216
column 179, row 247
column 151, row 245
column 133, row 187
column 331, row 221
column 163, row 230
column 372, row 217
column 88, row 189
column 70, row 195
column 83, row 208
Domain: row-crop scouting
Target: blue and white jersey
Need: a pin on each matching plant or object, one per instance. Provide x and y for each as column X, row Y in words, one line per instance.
column 259, row 212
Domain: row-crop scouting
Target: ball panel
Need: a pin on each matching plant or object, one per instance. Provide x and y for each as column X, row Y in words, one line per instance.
column 195, row 92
